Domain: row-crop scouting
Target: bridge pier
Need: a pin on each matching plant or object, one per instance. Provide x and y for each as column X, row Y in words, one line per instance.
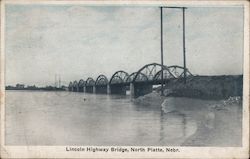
column 94, row 89
column 108, row 89
column 84, row 89
column 132, row 90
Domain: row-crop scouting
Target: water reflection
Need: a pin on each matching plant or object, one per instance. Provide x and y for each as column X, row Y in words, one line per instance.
column 46, row 118
column 175, row 127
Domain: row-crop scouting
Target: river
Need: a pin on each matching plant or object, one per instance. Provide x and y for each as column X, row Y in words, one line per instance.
column 69, row 118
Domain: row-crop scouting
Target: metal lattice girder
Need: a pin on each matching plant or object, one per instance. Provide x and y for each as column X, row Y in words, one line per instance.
column 90, row 82
column 166, row 75
column 131, row 77
column 141, row 77
column 150, row 71
column 119, row 77
column 81, row 83
column 178, row 71
column 101, row 80
column 70, row 84
column 75, row 84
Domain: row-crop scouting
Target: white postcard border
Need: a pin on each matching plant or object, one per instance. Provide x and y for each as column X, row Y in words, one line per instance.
column 185, row 152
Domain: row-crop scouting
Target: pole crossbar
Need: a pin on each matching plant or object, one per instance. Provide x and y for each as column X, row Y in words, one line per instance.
column 174, row 7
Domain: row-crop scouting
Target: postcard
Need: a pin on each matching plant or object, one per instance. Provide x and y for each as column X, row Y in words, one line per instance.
column 124, row 79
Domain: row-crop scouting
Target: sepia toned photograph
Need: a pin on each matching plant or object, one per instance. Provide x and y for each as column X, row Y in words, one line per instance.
column 133, row 80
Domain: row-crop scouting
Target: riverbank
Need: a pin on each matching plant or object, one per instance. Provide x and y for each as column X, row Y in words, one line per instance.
column 217, row 122
column 35, row 89
column 220, row 126
column 151, row 99
column 205, row 87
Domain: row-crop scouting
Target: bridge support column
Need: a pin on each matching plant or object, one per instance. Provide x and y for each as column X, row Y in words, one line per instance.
column 108, row 89
column 94, row 89
column 84, row 89
column 132, row 90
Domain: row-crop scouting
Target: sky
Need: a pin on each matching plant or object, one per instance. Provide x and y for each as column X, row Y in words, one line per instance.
column 78, row 41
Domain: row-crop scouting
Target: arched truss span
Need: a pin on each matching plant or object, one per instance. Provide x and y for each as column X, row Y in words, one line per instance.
column 141, row 77
column 166, row 75
column 119, row 77
column 90, row 82
column 70, row 84
column 101, row 80
column 81, row 83
column 150, row 70
column 178, row 71
column 75, row 84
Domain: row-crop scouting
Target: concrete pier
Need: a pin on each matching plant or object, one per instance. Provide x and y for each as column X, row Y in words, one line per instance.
column 108, row 89
column 132, row 90
column 136, row 90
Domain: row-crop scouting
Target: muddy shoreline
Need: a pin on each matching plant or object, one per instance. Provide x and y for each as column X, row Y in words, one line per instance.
column 219, row 122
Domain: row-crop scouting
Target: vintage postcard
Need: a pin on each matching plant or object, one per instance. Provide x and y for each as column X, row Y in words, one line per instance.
column 124, row 79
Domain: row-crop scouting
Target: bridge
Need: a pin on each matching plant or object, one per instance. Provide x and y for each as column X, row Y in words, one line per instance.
column 139, row 83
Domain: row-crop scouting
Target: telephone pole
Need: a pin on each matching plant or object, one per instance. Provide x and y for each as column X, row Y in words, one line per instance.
column 162, row 81
column 184, row 43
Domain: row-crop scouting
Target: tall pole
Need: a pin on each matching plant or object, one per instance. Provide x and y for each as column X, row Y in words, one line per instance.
column 161, row 54
column 184, row 47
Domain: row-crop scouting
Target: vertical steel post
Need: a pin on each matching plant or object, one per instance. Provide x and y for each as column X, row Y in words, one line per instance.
column 184, row 48
column 161, row 54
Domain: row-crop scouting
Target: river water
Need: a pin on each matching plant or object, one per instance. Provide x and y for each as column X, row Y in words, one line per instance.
column 69, row 118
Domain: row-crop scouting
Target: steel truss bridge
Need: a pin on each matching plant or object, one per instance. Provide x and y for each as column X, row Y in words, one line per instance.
column 139, row 83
